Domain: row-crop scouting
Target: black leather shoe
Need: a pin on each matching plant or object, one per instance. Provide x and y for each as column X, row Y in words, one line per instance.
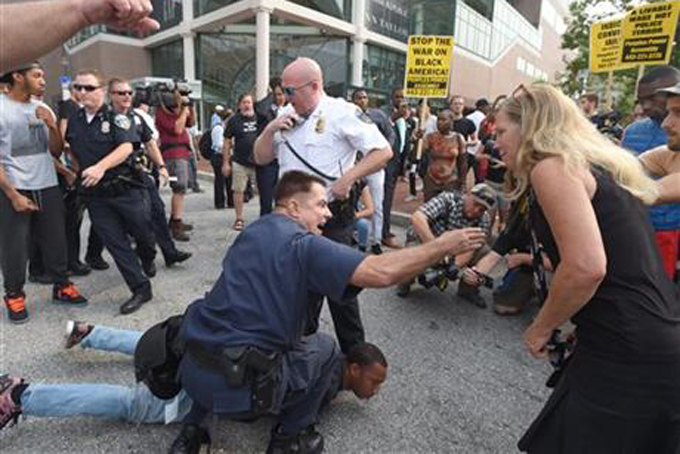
column 79, row 269
column 176, row 257
column 309, row 441
column 190, row 440
column 97, row 263
column 149, row 268
column 135, row 302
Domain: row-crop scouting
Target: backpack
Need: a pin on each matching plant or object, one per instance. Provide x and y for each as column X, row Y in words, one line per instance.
column 205, row 144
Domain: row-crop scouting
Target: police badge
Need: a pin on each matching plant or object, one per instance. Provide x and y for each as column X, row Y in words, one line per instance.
column 106, row 127
column 122, row 121
column 320, row 125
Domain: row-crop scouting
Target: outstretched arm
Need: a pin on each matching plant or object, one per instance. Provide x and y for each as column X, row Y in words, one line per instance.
column 26, row 38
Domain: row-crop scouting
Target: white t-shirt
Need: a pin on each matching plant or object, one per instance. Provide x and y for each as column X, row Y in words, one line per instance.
column 24, row 140
column 476, row 117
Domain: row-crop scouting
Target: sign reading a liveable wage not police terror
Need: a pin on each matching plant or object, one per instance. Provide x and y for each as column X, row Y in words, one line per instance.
column 648, row 32
column 428, row 66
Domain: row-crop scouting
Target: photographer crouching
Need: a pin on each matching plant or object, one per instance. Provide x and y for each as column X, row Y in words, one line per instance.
column 445, row 212
column 173, row 120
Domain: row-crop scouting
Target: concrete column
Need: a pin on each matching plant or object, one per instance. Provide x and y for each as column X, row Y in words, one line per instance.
column 358, row 62
column 262, row 51
column 189, row 56
column 359, row 42
column 188, row 40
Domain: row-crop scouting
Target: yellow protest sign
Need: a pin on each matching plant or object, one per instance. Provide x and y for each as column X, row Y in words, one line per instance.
column 428, row 66
column 605, row 46
column 648, row 32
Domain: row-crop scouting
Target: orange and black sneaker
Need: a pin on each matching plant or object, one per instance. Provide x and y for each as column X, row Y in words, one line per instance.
column 16, row 307
column 68, row 294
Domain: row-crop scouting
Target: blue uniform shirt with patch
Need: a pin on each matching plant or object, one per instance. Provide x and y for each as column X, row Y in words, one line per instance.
column 261, row 296
column 90, row 142
column 639, row 137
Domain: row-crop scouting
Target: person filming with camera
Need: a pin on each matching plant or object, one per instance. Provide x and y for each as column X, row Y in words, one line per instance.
column 452, row 211
column 174, row 117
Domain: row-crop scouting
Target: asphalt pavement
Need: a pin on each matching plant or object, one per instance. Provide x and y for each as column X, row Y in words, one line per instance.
column 459, row 380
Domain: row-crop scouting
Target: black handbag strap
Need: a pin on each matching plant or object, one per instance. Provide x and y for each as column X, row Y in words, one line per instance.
column 306, row 163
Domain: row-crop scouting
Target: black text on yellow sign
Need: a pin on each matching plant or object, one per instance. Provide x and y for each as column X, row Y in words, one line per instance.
column 428, row 66
column 605, row 46
column 648, row 32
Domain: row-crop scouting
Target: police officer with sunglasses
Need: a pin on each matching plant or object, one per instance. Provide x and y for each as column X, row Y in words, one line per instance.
column 114, row 192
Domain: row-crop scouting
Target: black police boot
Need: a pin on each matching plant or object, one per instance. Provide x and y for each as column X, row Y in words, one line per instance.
column 309, row 441
column 97, row 263
column 176, row 257
column 134, row 303
column 79, row 269
column 190, row 440
column 149, row 268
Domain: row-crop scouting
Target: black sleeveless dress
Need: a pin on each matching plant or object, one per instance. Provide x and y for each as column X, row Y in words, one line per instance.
column 621, row 390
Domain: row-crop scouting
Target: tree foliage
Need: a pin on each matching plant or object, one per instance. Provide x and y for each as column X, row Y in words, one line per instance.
column 576, row 79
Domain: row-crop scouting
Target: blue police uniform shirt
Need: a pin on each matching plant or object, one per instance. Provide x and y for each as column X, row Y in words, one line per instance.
column 90, row 142
column 261, row 296
column 639, row 137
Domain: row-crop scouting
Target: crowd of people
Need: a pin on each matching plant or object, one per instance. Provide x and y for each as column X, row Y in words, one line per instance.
column 537, row 185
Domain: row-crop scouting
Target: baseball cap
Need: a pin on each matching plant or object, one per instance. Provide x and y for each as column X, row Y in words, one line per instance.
column 672, row 90
column 482, row 102
column 483, row 194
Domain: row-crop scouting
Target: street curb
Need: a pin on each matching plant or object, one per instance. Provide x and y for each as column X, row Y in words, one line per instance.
column 398, row 218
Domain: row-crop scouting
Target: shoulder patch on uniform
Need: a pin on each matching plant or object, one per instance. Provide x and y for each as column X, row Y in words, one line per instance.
column 122, row 121
column 363, row 116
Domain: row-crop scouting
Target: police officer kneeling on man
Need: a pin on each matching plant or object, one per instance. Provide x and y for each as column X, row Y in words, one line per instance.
column 245, row 352
column 115, row 195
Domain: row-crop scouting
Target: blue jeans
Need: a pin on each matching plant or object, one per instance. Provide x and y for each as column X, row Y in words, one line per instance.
column 362, row 227
column 134, row 404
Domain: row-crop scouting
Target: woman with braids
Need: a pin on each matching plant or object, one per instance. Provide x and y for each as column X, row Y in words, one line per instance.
column 621, row 390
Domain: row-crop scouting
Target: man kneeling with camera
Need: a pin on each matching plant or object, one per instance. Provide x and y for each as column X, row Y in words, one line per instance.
column 445, row 212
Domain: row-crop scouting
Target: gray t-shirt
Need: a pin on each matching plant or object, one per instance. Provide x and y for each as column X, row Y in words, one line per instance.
column 25, row 158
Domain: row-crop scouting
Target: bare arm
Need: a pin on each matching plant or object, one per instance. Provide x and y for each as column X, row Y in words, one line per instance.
column 669, row 189
column 20, row 203
column 367, row 201
column 421, row 226
column 566, row 202
column 26, row 38
column 263, row 150
column 182, row 120
column 372, row 162
column 393, row 267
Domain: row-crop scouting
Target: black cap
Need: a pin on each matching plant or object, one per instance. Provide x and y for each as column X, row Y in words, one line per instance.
column 481, row 102
column 7, row 77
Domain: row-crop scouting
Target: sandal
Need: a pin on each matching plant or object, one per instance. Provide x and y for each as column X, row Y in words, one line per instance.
column 238, row 224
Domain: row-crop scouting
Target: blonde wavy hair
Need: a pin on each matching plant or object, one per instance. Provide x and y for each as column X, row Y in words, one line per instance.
column 553, row 125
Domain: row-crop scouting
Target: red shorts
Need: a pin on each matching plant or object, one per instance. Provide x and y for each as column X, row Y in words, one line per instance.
column 669, row 246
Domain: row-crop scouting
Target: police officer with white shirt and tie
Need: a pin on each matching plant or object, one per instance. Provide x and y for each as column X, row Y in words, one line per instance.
column 321, row 135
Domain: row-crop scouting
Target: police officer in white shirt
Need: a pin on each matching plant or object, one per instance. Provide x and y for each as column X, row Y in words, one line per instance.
column 321, row 135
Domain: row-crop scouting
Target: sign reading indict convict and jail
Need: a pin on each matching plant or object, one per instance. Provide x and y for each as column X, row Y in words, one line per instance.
column 605, row 46
column 428, row 66
column 648, row 32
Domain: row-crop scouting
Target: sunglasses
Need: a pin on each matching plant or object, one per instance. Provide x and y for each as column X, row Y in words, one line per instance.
column 290, row 91
column 122, row 93
column 87, row 88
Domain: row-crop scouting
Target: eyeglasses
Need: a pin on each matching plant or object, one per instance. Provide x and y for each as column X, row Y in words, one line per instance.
column 290, row 91
column 123, row 92
column 87, row 88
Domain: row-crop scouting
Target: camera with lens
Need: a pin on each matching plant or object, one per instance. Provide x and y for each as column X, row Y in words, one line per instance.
column 439, row 275
column 609, row 125
column 164, row 93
